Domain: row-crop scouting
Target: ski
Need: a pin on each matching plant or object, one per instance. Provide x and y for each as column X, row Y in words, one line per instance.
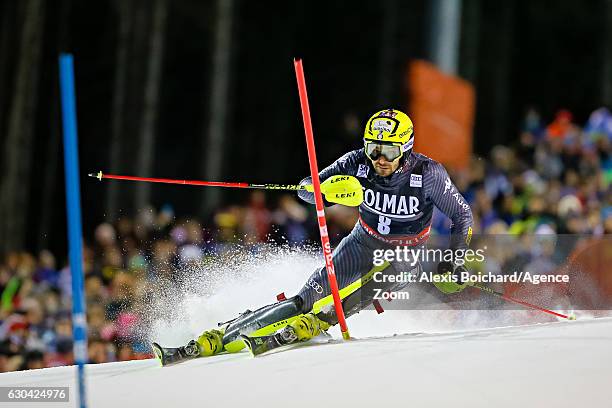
column 172, row 355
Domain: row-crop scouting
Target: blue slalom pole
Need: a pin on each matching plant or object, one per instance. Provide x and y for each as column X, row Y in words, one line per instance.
column 73, row 208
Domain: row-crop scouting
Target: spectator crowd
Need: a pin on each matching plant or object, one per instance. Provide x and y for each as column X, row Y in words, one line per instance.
column 555, row 179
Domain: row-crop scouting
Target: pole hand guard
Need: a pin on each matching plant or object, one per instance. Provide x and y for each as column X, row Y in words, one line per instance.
column 345, row 190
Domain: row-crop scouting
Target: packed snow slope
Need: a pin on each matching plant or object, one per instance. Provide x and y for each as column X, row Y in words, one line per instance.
column 561, row 364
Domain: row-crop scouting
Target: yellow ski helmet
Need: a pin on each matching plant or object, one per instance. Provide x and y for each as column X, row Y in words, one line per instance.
column 388, row 133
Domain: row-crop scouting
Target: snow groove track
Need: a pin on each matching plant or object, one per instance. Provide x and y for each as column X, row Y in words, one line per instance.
column 564, row 364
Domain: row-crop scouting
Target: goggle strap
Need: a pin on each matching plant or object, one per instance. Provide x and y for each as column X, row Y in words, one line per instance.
column 408, row 146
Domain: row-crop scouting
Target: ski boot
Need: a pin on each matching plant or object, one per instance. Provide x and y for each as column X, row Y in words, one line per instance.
column 308, row 326
column 304, row 328
column 210, row 342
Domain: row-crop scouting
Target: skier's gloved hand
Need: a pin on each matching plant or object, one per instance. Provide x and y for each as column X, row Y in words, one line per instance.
column 345, row 190
column 448, row 278
column 308, row 195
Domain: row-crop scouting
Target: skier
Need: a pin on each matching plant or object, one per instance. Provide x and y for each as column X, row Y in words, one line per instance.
column 400, row 190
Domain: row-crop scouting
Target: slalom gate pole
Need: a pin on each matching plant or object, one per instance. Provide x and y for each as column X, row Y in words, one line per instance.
column 73, row 209
column 520, row 302
column 294, row 187
column 314, row 172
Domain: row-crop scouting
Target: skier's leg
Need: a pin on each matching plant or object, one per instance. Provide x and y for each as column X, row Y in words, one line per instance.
column 270, row 318
column 355, row 297
column 366, row 293
column 263, row 321
column 359, row 279
column 352, row 261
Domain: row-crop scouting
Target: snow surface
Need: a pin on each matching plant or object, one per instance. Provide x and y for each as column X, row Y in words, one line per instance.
column 468, row 358
column 561, row 364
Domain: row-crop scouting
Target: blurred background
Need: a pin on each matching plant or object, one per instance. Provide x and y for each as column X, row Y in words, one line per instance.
column 512, row 96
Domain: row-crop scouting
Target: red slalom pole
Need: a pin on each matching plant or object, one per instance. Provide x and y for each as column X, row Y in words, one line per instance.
column 520, row 302
column 314, row 172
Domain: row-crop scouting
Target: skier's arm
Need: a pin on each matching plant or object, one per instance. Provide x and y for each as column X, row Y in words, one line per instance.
column 341, row 166
column 449, row 200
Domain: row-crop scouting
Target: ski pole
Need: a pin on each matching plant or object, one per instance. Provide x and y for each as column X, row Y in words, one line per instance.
column 314, row 173
column 293, row 187
column 520, row 302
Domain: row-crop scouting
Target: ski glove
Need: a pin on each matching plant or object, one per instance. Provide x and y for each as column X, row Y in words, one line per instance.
column 345, row 190
column 448, row 278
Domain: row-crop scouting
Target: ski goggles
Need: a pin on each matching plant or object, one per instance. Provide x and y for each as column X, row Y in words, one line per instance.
column 374, row 150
